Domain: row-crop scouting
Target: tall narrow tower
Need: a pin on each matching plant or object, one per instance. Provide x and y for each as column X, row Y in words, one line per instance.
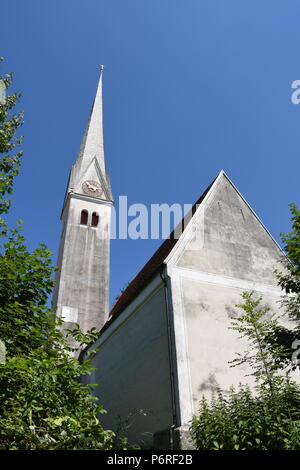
column 82, row 288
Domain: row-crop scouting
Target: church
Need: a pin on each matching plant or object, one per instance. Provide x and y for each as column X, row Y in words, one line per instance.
column 166, row 342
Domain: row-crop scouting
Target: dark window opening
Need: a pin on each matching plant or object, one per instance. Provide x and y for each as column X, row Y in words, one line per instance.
column 84, row 217
column 95, row 219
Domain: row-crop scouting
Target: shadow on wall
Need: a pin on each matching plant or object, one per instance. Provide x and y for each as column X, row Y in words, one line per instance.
column 210, row 384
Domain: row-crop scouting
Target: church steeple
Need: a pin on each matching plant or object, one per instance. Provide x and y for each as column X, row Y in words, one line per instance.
column 82, row 288
column 91, row 151
column 93, row 143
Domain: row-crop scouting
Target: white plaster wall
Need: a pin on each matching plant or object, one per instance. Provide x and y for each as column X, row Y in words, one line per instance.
column 210, row 309
column 133, row 369
column 83, row 280
column 226, row 250
column 230, row 241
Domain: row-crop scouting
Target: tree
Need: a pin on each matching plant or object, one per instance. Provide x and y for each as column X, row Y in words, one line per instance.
column 269, row 417
column 9, row 141
column 26, row 280
column 289, row 280
column 288, row 338
column 43, row 404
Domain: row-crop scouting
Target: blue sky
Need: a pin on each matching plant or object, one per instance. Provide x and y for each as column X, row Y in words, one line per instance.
column 190, row 87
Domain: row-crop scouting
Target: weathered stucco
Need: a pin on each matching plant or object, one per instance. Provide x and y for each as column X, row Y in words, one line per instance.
column 212, row 344
column 133, row 370
column 226, row 250
column 82, row 288
column 231, row 241
column 83, row 281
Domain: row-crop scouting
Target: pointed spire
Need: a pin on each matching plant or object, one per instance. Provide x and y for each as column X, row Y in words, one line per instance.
column 92, row 143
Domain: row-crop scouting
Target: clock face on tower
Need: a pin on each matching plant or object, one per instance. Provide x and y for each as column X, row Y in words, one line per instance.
column 92, row 188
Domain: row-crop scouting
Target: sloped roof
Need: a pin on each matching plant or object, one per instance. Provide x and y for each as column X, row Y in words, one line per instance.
column 153, row 265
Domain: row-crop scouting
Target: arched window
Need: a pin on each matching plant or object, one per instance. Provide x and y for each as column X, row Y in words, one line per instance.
column 84, row 217
column 95, row 219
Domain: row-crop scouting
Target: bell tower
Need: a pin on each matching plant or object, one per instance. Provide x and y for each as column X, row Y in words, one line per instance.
column 82, row 287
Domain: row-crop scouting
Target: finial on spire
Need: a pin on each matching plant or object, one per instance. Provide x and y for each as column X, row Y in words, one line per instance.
column 101, row 68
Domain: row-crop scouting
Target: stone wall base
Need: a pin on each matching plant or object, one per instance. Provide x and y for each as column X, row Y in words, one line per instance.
column 181, row 439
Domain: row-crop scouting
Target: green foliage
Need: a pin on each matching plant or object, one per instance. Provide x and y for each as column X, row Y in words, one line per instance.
column 242, row 421
column 9, row 142
column 269, row 417
column 26, row 280
column 43, row 404
column 289, row 280
column 256, row 323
